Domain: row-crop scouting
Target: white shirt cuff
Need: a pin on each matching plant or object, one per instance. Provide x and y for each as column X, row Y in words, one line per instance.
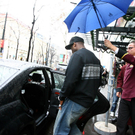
column 116, row 51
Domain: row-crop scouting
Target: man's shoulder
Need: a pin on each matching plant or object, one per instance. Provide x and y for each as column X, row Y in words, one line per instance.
column 83, row 51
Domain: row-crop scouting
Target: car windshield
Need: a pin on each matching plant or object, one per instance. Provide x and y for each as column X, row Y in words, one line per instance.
column 6, row 73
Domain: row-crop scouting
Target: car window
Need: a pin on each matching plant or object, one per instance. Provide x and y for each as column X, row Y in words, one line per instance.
column 49, row 75
column 6, row 73
column 37, row 76
column 58, row 80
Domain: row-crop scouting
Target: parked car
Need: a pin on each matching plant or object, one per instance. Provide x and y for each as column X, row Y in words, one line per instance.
column 25, row 92
column 29, row 95
column 61, row 67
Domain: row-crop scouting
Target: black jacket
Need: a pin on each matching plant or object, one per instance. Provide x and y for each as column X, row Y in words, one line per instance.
column 82, row 78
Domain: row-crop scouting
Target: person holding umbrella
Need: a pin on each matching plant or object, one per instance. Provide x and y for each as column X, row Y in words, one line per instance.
column 83, row 78
column 127, row 103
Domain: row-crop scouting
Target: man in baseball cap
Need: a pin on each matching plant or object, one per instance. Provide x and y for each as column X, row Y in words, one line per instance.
column 79, row 89
column 74, row 40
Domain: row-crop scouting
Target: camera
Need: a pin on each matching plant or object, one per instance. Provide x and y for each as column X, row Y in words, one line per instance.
column 119, row 63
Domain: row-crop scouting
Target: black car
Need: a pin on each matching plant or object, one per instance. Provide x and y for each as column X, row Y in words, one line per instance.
column 25, row 92
column 29, row 95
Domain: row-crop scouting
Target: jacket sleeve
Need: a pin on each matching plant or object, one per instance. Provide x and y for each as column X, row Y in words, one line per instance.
column 120, row 79
column 119, row 82
column 126, row 57
column 73, row 74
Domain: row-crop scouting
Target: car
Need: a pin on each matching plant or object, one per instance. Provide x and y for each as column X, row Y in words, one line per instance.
column 61, row 67
column 29, row 96
column 25, row 96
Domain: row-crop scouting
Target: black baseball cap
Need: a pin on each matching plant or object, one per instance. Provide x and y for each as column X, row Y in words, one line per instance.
column 73, row 40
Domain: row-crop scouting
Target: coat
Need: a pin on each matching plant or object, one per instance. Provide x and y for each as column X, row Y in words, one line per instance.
column 129, row 76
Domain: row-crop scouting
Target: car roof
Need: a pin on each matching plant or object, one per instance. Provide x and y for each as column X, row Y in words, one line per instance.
column 19, row 67
column 16, row 64
column 62, row 66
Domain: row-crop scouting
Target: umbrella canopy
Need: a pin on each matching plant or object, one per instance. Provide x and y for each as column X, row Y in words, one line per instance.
column 89, row 15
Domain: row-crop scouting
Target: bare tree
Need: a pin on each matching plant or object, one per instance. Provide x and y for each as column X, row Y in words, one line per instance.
column 52, row 54
column 32, row 29
column 32, row 49
column 17, row 36
column 42, row 54
column 48, row 51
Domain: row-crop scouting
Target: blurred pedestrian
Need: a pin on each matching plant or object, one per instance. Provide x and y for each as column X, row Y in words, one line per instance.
column 80, row 87
column 116, row 70
column 127, row 103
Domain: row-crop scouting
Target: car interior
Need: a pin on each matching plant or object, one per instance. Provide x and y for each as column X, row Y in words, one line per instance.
column 34, row 96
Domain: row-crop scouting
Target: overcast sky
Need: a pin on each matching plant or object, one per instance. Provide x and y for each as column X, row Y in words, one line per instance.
column 23, row 10
column 49, row 21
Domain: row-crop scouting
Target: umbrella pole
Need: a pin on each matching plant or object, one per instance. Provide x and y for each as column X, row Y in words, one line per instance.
column 98, row 18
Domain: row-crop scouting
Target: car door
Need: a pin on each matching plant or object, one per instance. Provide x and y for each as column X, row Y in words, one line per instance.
column 56, row 80
column 99, row 106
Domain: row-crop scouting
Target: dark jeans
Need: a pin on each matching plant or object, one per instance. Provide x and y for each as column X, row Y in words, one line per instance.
column 115, row 101
column 126, row 109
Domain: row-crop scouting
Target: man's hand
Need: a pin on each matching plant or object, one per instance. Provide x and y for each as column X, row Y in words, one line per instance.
column 61, row 102
column 109, row 45
column 118, row 94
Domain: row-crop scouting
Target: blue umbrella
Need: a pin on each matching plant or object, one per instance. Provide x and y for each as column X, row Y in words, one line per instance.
column 89, row 15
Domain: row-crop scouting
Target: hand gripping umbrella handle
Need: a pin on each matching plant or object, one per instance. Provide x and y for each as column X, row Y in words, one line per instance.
column 106, row 37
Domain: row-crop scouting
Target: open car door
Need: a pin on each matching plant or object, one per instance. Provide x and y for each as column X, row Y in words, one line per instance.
column 100, row 106
column 57, row 79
